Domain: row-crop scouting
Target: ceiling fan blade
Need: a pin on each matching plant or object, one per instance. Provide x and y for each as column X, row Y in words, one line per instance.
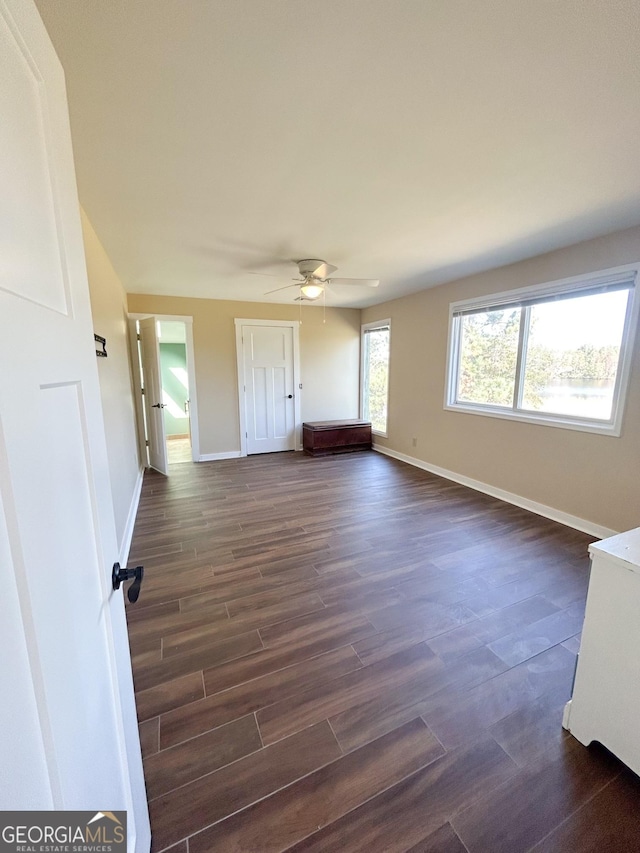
column 281, row 288
column 324, row 270
column 362, row 282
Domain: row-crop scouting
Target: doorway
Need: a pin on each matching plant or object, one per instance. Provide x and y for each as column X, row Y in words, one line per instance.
column 164, row 375
column 174, row 378
column 268, row 385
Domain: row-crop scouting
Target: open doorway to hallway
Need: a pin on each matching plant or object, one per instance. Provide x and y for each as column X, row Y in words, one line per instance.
column 172, row 346
column 164, row 376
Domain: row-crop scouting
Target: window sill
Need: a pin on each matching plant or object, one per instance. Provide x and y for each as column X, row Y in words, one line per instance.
column 600, row 428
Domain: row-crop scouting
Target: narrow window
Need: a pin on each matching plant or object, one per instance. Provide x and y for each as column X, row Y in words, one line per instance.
column 375, row 374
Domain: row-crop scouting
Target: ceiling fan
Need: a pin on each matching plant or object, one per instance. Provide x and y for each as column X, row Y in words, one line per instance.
column 315, row 275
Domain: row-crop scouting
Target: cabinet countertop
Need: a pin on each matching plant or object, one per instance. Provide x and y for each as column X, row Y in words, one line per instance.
column 622, row 549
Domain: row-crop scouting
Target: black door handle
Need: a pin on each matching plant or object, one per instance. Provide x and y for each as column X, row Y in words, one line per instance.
column 289, row 396
column 118, row 575
column 157, row 405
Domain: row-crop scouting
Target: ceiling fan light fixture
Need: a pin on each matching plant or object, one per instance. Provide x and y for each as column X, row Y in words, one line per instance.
column 311, row 291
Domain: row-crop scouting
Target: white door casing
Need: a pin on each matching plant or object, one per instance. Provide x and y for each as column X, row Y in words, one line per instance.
column 191, row 373
column 268, row 380
column 68, row 729
column 156, row 433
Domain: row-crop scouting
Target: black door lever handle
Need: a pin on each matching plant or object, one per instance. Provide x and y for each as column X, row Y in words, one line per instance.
column 118, row 575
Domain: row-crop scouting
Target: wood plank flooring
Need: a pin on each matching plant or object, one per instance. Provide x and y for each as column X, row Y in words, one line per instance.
column 350, row 654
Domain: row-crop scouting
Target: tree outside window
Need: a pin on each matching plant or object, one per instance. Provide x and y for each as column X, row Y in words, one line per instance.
column 556, row 355
column 375, row 379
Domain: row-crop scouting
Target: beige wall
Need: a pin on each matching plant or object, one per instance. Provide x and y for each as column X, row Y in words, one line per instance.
column 329, row 360
column 109, row 311
column 594, row 477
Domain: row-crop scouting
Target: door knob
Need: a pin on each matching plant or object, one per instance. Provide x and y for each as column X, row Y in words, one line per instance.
column 118, row 575
column 157, row 405
column 289, row 396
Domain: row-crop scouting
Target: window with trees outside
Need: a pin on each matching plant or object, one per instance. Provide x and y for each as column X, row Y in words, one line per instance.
column 375, row 374
column 558, row 354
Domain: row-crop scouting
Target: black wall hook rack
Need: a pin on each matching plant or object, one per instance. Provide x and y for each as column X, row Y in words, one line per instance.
column 102, row 353
column 118, row 575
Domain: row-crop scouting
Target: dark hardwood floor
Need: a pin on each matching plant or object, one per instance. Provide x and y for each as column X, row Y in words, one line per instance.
column 350, row 654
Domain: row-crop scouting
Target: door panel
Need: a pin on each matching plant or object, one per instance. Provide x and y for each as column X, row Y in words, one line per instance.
column 268, row 372
column 68, row 738
column 71, row 537
column 153, row 395
column 22, row 747
column 280, row 425
column 28, row 145
column 259, row 403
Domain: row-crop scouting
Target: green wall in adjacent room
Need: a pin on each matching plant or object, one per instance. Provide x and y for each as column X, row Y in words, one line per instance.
column 174, row 356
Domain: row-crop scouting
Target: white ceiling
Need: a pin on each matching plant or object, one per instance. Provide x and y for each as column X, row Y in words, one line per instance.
column 413, row 141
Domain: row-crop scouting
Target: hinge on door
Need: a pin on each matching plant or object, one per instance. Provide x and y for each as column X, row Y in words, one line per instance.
column 147, row 443
column 142, row 391
column 138, row 338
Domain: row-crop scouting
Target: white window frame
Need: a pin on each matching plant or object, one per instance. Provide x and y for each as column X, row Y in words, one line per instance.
column 376, row 324
column 509, row 298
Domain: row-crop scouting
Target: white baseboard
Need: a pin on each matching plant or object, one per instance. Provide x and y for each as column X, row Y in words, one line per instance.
column 509, row 497
column 212, row 457
column 127, row 536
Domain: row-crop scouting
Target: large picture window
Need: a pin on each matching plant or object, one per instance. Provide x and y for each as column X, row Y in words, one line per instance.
column 375, row 374
column 556, row 353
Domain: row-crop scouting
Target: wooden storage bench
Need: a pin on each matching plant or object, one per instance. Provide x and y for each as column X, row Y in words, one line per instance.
column 321, row 438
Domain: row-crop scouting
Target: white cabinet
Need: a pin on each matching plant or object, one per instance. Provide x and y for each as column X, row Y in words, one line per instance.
column 605, row 705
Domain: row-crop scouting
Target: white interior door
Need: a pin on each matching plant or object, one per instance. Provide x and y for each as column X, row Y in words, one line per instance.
column 68, row 733
column 156, row 433
column 134, row 354
column 268, row 388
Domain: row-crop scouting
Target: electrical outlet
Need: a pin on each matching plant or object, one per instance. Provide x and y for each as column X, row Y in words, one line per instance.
column 415, row 442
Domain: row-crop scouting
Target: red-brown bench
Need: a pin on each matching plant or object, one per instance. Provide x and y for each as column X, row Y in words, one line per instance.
column 320, row 438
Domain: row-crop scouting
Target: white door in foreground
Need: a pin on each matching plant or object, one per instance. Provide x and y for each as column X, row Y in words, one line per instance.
column 68, row 733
